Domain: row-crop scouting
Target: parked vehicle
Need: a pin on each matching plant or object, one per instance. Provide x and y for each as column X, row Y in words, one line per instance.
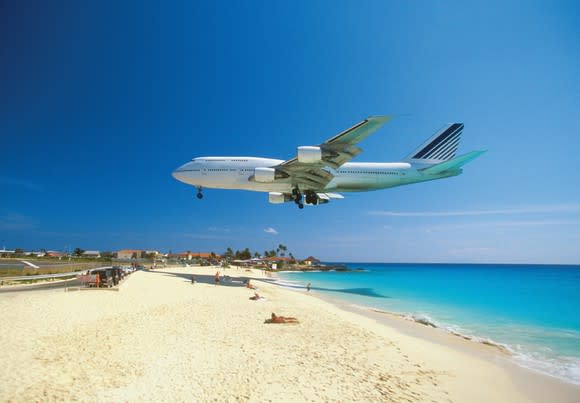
column 118, row 274
column 128, row 270
column 105, row 277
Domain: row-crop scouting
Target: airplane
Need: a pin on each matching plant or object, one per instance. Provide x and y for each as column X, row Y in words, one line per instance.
column 318, row 173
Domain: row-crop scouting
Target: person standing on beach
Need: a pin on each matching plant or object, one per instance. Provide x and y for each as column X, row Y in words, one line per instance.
column 192, row 279
column 308, row 287
column 217, row 277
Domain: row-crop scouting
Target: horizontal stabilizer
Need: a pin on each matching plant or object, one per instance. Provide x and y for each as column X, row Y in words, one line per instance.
column 330, row 196
column 453, row 164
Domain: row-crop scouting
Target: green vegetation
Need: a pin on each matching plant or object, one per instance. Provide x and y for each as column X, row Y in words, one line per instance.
column 49, row 269
column 246, row 254
column 34, row 281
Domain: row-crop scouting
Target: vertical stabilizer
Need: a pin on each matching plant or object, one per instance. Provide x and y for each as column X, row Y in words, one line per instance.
column 440, row 147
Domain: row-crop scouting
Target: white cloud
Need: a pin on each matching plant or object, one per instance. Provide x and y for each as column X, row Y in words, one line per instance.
column 499, row 224
column 564, row 208
column 270, row 230
column 218, row 229
column 204, row 236
column 477, row 253
column 472, row 251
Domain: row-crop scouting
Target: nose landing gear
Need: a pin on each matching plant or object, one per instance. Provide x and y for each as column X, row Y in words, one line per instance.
column 199, row 194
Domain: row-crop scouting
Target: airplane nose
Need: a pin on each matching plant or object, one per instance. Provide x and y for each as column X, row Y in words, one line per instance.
column 179, row 174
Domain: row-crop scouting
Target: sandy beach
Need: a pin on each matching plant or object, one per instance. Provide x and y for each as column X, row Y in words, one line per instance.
column 161, row 338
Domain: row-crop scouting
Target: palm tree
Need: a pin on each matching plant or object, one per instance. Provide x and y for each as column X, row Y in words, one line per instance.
column 282, row 250
column 229, row 254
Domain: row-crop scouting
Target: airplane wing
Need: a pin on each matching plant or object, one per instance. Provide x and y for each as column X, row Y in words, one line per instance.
column 332, row 153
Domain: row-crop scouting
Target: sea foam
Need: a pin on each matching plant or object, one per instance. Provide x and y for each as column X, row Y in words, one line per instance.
column 528, row 311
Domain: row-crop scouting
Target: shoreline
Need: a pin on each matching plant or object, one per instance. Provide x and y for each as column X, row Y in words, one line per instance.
column 162, row 338
column 490, row 350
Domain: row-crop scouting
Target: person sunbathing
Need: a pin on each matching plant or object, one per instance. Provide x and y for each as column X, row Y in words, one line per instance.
column 281, row 319
column 256, row 297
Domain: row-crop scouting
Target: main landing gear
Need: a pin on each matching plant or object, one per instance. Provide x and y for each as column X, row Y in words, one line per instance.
column 310, row 197
column 297, row 198
column 199, row 194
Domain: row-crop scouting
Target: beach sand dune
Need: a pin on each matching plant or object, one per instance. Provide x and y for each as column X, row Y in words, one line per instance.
column 161, row 338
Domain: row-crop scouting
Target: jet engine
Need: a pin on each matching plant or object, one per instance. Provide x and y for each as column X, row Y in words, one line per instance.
column 267, row 175
column 264, row 175
column 309, row 154
column 277, row 197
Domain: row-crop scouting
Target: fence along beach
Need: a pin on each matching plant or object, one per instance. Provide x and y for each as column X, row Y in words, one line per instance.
column 162, row 338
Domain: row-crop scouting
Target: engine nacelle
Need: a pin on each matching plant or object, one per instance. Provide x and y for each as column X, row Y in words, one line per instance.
column 277, row 197
column 309, row 154
column 264, row 175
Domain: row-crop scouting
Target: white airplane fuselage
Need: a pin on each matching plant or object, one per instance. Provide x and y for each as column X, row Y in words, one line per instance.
column 320, row 173
column 236, row 173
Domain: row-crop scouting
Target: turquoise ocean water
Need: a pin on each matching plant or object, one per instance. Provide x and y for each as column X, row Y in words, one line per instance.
column 533, row 310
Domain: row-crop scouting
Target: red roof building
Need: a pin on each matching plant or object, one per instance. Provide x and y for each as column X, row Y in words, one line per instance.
column 310, row 261
column 194, row 255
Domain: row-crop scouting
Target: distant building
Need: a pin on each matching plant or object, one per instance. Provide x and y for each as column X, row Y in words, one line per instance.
column 183, row 255
column 35, row 253
column 193, row 255
column 129, row 254
column 126, row 254
column 277, row 259
column 203, row 255
column 310, row 261
column 91, row 253
column 275, row 262
column 52, row 253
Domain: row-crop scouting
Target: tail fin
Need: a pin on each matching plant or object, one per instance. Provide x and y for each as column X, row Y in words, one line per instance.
column 440, row 147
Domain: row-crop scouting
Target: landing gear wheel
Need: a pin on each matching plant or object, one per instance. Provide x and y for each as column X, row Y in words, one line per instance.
column 297, row 197
column 200, row 195
column 311, row 198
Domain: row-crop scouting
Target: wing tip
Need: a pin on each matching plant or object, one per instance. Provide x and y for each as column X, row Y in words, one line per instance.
column 477, row 153
column 380, row 118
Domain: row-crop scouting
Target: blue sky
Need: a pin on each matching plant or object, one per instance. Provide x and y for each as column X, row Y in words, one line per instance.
column 100, row 102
